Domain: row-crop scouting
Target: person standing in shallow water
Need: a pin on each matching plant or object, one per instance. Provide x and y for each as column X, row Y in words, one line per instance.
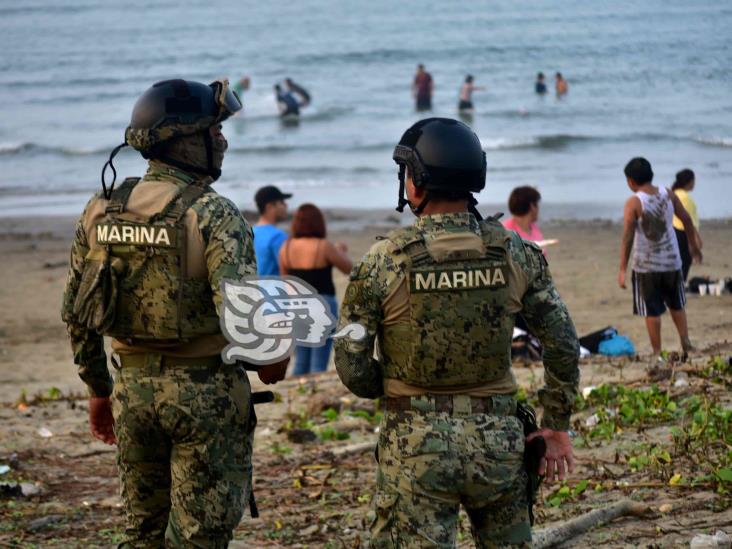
column 657, row 279
column 560, row 85
column 682, row 187
column 465, row 103
column 422, row 89
column 308, row 255
column 540, row 85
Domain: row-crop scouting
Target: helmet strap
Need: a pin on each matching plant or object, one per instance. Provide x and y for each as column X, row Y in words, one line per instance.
column 108, row 191
column 422, row 205
column 402, row 201
column 212, row 171
column 472, row 203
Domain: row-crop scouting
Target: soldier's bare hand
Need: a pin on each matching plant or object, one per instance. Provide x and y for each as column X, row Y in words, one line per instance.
column 272, row 373
column 621, row 279
column 557, row 461
column 101, row 421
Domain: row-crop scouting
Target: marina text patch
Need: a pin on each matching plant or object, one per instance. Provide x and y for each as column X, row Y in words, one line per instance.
column 136, row 235
column 458, row 279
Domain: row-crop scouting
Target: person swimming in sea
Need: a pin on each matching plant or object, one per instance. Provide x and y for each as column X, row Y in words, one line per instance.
column 465, row 104
column 287, row 104
column 302, row 95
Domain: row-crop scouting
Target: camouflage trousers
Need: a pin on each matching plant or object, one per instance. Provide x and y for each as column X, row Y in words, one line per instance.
column 432, row 462
column 184, row 450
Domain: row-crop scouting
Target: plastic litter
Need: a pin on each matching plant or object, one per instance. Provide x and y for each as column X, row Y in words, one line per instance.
column 4, row 469
column 45, row 432
column 682, row 380
column 720, row 540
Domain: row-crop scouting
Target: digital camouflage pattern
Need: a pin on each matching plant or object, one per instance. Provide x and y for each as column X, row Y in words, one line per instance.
column 183, row 426
column 146, row 256
column 432, row 462
column 531, row 292
column 229, row 253
column 458, row 314
column 144, row 139
column 185, row 446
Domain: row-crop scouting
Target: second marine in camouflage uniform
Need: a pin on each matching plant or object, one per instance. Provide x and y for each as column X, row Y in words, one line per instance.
column 146, row 268
column 440, row 297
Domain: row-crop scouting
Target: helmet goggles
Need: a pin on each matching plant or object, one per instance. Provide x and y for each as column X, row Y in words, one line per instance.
column 227, row 100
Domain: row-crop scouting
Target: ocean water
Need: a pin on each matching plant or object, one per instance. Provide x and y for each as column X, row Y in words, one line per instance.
column 646, row 78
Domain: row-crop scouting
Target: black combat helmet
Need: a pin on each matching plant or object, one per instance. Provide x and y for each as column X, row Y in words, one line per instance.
column 444, row 157
column 175, row 108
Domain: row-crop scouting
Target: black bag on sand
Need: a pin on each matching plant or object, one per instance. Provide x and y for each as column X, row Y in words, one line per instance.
column 591, row 342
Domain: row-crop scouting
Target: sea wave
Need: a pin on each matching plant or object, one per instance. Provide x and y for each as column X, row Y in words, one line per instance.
column 9, row 149
column 556, row 141
column 714, row 141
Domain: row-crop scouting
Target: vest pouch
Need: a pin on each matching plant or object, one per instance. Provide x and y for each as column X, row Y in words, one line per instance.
column 95, row 305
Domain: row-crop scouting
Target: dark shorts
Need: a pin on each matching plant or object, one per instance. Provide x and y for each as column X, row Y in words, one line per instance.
column 653, row 292
column 424, row 102
column 465, row 105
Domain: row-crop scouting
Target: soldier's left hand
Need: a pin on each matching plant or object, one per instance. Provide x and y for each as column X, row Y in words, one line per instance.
column 557, row 461
column 621, row 279
column 101, row 421
column 272, row 373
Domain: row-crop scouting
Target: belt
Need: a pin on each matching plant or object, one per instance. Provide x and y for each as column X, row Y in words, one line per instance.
column 142, row 360
column 453, row 404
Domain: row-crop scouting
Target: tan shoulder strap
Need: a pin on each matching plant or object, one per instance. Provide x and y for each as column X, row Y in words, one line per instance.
column 120, row 196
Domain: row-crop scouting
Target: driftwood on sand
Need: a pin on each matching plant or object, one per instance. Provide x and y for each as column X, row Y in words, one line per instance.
column 554, row 535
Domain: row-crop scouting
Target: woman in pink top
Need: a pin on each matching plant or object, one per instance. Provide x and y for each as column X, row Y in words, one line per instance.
column 524, row 207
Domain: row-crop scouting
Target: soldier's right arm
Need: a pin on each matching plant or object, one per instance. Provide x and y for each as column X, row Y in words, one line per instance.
column 354, row 359
column 87, row 345
column 548, row 318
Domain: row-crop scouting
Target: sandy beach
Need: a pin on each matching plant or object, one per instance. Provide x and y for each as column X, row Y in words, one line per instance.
column 34, row 352
column 76, row 475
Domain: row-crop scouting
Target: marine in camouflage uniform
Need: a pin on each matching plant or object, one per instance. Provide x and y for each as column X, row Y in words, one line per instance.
column 440, row 297
column 146, row 268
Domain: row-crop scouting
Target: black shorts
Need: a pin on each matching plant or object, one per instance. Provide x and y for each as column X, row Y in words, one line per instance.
column 465, row 105
column 653, row 292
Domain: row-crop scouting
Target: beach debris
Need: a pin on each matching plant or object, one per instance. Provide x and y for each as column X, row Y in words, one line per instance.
column 10, row 490
column 301, row 436
column 55, row 264
column 4, row 469
column 666, row 508
column 310, row 530
column 45, row 432
column 29, row 489
column 43, row 522
column 720, row 540
column 564, row 531
column 16, row 489
column 682, row 380
column 587, row 391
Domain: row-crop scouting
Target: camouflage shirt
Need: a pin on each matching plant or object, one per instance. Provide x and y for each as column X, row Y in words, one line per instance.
column 372, row 300
column 221, row 247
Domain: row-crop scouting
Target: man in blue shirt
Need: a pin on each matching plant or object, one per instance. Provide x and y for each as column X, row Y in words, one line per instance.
column 268, row 239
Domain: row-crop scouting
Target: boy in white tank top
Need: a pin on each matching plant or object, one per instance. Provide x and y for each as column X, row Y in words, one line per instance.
column 656, row 272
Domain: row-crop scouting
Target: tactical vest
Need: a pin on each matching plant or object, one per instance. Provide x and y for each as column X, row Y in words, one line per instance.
column 459, row 332
column 134, row 285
